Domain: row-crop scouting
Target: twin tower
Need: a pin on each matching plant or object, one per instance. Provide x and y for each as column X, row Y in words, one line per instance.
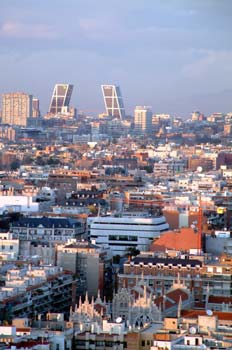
column 111, row 93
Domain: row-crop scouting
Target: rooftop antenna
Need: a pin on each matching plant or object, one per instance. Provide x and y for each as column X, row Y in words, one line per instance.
column 200, row 216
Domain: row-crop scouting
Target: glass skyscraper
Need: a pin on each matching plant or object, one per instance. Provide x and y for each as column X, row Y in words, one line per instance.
column 113, row 101
column 61, row 97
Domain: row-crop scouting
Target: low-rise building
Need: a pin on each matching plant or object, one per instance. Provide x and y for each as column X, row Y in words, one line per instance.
column 9, row 247
column 124, row 231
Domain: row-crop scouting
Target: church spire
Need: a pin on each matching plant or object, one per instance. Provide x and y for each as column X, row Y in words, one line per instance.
column 142, row 276
column 145, row 293
column 80, row 302
column 164, row 301
column 86, row 297
column 179, row 307
column 76, row 308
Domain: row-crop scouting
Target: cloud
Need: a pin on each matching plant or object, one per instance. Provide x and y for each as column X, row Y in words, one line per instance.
column 212, row 62
column 13, row 29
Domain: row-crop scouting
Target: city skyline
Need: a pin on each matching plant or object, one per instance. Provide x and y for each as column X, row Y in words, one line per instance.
column 115, row 175
column 177, row 57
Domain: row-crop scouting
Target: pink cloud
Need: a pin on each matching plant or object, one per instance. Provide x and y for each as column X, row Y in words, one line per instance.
column 27, row 30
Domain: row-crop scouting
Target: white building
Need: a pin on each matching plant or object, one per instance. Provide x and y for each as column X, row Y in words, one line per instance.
column 9, row 247
column 121, row 233
column 18, row 204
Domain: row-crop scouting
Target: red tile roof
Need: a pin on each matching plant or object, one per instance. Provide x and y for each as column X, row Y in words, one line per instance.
column 219, row 299
column 183, row 239
column 172, row 298
column 225, row 316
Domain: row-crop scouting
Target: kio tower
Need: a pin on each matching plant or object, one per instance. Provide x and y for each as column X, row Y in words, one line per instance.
column 113, row 101
column 61, row 97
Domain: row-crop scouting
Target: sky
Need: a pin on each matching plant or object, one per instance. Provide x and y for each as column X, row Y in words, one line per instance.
column 173, row 55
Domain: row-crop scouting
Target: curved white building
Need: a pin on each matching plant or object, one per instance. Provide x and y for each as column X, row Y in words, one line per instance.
column 121, row 233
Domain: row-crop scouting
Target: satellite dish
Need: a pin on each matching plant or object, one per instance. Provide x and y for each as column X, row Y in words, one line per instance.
column 118, row 319
column 209, row 312
column 193, row 330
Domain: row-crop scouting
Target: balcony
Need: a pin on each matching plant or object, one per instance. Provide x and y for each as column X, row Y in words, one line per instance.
column 22, row 305
column 187, row 347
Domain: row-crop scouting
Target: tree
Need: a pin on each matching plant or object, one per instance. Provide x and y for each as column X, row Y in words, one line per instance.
column 15, row 165
column 133, row 251
column 93, row 209
column 116, row 259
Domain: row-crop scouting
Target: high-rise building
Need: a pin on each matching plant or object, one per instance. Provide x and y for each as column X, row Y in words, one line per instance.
column 113, row 101
column 35, row 108
column 16, row 108
column 61, row 97
column 143, row 119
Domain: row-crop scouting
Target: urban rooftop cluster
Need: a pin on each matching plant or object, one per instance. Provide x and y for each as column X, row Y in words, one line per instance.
column 115, row 230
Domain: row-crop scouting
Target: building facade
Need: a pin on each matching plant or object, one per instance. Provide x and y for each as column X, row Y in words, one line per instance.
column 143, row 119
column 61, row 98
column 113, row 101
column 16, row 108
column 35, row 108
column 36, row 290
column 121, row 233
column 87, row 261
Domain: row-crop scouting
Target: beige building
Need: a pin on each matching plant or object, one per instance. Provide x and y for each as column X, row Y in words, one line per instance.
column 16, row 108
column 143, row 119
column 35, row 108
column 89, row 262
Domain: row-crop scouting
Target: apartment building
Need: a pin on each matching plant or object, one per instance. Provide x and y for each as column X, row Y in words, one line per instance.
column 161, row 273
column 90, row 263
column 47, row 228
column 30, row 291
column 202, row 279
column 9, row 247
column 16, row 108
